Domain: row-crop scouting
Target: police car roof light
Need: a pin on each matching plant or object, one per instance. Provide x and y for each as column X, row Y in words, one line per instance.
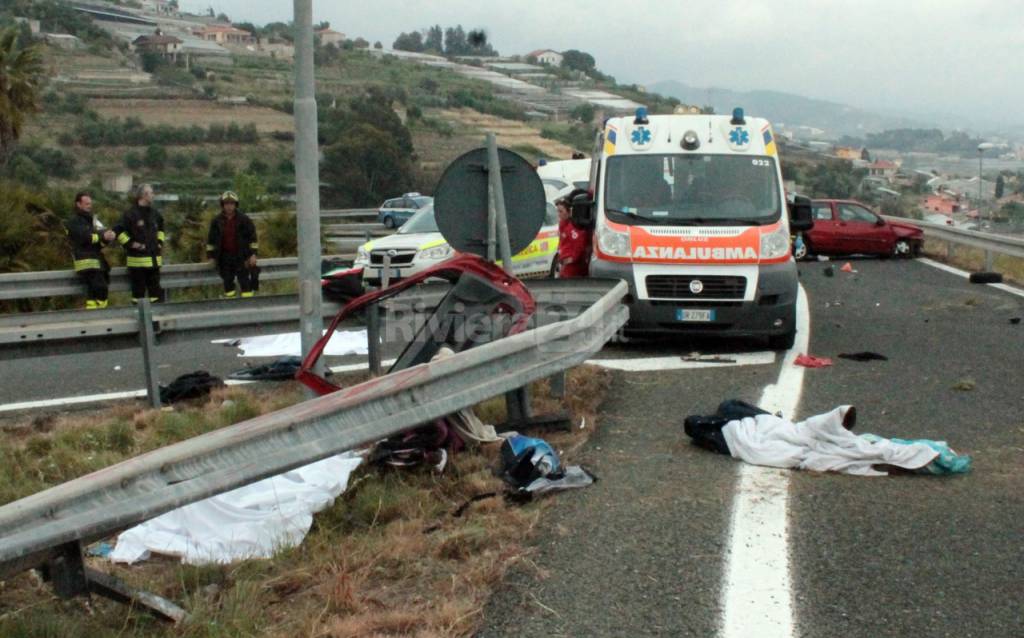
column 641, row 116
column 737, row 117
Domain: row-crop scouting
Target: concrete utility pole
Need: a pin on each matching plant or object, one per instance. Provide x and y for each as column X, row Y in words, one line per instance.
column 307, row 181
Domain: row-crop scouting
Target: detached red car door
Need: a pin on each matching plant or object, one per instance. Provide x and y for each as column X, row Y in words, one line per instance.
column 823, row 235
column 860, row 232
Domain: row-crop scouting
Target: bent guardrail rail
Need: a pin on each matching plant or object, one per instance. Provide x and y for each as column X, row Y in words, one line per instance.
column 38, row 528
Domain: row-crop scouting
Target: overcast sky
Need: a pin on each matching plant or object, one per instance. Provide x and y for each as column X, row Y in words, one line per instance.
column 946, row 56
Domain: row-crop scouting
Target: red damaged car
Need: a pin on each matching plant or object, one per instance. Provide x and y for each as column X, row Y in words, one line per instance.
column 847, row 227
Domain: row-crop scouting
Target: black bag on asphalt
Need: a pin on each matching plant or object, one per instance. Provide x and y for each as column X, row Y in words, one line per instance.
column 193, row 385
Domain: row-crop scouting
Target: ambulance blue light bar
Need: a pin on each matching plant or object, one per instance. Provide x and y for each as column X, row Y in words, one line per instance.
column 641, row 116
column 737, row 117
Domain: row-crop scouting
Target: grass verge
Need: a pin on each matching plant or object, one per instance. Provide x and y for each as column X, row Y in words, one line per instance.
column 973, row 259
column 389, row 558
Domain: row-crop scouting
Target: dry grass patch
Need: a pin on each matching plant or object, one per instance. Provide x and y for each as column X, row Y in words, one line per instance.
column 973, row 259
column 198, row 112
column 401, row 553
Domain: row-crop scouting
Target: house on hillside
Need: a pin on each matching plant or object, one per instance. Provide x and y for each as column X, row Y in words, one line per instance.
column 851, row 153
column 330, row 36
column 883, row 168
column 943, row 203
column 166, row 46
column 546, row 56
column 278, row 49
column 63, row 40
column 224, row 34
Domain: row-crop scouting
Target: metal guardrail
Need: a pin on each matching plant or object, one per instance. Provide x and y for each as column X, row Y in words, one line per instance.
column 57, row 283
column 990, row 243
column 35, row 529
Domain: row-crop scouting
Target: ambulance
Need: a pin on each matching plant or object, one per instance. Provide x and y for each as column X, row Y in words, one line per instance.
column 690, row 211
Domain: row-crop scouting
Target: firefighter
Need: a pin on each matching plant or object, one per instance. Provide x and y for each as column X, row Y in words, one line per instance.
column 87, row 251
column 141, row 232
column 231, row 246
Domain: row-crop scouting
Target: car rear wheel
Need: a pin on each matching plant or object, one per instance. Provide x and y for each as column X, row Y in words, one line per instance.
column 389, row 222
column 902, row 248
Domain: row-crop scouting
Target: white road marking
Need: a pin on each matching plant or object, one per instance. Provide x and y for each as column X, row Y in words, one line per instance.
column 136, row 394
column 966, row 275
column 654, row 364
column 757, row 596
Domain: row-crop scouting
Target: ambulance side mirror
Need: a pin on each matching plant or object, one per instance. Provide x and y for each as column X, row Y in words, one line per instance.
column 582, row 212
column 800, row 218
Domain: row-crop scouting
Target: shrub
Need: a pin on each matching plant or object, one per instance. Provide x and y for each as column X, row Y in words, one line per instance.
column 156, row 157
column 133, row 160
column 180, row 161
column 258, row 167
column 201, row 160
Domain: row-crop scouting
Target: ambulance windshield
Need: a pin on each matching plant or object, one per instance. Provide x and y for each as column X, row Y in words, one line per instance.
column 692, row 189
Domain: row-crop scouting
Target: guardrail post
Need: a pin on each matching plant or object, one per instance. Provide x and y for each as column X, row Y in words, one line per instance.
column 374, row 321
column 147, row 339
column 950, row 250
column 556, row 383
column 990, row 260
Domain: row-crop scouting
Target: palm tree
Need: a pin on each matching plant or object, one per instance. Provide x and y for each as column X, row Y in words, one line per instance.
column 21, row 76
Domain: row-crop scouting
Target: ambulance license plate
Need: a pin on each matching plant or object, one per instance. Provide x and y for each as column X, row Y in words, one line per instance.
column 688, row 314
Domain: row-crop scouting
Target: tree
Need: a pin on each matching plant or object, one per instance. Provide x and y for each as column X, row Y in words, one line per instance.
column 1013, row 211
column 1000, row 186
column 455, row 41
column 365, row 168
column 435, row 40
column 408, row 42
column 584, row 113
column 377, row 45
column 578, row 61
column 361, row 43
column 21, row 78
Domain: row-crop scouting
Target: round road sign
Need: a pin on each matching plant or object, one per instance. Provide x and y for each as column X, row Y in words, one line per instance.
column 461, row 202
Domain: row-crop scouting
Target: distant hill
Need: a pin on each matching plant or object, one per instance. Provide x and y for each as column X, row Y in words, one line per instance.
column 793, row 110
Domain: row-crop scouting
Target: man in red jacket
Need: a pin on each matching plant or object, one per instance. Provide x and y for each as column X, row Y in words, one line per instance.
column 573, row 245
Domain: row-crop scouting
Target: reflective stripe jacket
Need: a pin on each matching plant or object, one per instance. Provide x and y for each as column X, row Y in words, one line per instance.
column 143, row 226
column 245, row 236
column 86, row 243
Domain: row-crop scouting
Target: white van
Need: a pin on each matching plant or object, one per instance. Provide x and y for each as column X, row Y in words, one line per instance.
column 690, row 211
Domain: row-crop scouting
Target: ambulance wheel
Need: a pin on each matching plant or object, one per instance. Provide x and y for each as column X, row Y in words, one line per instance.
column 783, row 341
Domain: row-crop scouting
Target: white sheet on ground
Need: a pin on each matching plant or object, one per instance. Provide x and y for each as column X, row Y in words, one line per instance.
column 344, row 342
column 820, row 443
column 250, row 522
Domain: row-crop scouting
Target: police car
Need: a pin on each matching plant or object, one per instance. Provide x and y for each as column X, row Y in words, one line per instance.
column 418, row 245
column 395, row 212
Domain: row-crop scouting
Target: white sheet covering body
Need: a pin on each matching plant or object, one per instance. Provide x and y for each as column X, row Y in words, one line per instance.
column 820, row 443
column 343, row 342
column 250, row 522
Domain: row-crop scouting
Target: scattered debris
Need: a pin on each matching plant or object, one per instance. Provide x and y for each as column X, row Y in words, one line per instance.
column 699, row 358
column 823, row 443
column 811, row 361
column 986, row 277
column 1015, row 320
column 829, row 271
column 847, row 267
column 822, row 258
column 282, row 369
column 117, row 368
column 194, row 385
column 863, row 356
column 966, row 384
column 531, row 467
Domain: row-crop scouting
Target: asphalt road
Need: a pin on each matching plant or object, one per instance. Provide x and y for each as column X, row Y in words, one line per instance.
column 643, row 551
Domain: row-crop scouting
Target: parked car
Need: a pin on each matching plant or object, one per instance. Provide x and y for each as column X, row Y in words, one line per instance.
column 395, row 212
column 419, row 244
column 846, row 227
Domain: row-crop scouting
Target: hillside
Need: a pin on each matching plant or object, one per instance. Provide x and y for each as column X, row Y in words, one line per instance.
column 789, row 109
